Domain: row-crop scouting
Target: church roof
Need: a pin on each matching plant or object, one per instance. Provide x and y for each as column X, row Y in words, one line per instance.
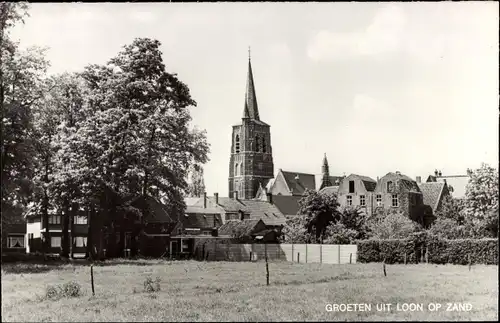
column 251, row 110
column 299, row 182
column 288, row 205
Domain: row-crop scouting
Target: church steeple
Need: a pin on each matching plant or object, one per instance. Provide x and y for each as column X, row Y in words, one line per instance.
column 326, row 173
column 251, row 110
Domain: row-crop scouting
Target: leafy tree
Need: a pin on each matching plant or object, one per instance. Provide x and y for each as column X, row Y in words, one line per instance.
column 319, row 211
column 481, row 203
column 22, row 74
column 196, row 185
column 295, row 230
column 451, row 208
column 392, row 225
column 448, row 228
column 135, row 139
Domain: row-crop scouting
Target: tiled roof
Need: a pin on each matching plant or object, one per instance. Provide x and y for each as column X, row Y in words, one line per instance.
column 457, row 184
column 155, row 209
column 201, row 220
column 288, row 205
column 244, row 227
column 329, row 190
column 368, row 182
column 432, row 193
column 257, row 209
column 298, row 186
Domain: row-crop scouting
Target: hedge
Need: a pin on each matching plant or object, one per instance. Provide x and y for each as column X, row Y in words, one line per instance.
column 439, row 251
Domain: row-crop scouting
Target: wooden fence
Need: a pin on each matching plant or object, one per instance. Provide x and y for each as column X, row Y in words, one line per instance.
column 302, row 253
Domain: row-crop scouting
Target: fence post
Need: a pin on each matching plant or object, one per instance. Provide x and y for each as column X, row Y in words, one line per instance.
column 385, row 273
column 267, row 266
column 215, row 249
column 405, row 258
column 92, row 279
column 427, row 254
column 306, row 253
column 350, row 258
column 321, row 253
column 298, row 257
column 227, row 251
column 292, row 251
column 338, row 254
column 251, row 256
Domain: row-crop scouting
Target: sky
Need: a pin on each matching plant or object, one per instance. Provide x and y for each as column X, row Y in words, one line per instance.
column 378, row 87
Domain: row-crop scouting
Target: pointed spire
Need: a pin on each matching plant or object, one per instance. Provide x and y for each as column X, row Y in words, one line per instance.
column 326, row 173
column 251, row 110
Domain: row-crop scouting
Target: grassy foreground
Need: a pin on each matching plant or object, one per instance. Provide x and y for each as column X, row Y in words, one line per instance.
column 237, row 291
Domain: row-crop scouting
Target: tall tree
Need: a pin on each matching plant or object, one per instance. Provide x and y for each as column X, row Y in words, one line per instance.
column 136, row 139
column 196, row 185
column 481, row 203
column 22, row 73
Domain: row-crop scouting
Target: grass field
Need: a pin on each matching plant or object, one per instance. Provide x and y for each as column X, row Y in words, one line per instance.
column 237, row 291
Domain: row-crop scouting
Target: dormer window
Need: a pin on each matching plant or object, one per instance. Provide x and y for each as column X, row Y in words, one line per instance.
column 237, row 144
column 390, row 186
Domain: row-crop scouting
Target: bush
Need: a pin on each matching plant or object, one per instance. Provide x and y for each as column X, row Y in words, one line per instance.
column 480, row 251
column 440, row 251
column 70, row 289
column 151, row 285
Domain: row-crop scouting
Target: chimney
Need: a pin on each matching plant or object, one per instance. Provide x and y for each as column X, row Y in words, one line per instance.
column 297, row 177
column 440, row 174
column 235, row 194
column 436, row 172
column 216, row 195
column 398, row 172
column 270, row 198
column 204, row 200
column 419, row 179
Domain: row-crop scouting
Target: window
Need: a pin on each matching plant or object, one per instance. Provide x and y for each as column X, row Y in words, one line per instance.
column 185, row 246
column 351, row 186
column 349, row 200
column 80, row 241
column 15, row 241
column 264, row 145
column 395, row 202
column 55, row 242
column 237, row 144
column 257, row 143
column 389, row 186
column 362, row 200
column 236, row 170
column 80, row 219
column 54, row 219
column 379, row 199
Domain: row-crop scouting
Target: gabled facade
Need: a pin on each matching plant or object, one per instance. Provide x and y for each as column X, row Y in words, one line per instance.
column 433, row 194
column 398, row 192
column 251, row 160
column 357, row 191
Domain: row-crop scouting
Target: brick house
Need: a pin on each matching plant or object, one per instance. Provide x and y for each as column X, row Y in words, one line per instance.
column 433, row 193
column 398, row 192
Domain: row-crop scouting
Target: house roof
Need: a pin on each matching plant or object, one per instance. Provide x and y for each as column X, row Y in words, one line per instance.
column 299, row 182
column 410, row 183
column 244, row 227
column 432, row 193
column 156, row 211
column 257, row 209
column 456, row 184
column 200, row 220
column 368, row 182
column 329, row 190
column 288, row 205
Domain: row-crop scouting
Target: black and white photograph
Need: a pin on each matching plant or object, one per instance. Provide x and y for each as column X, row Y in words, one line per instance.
column 249, row 161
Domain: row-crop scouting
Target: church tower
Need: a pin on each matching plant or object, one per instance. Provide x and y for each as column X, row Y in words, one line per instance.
column 325, row 170
column 251, row 161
